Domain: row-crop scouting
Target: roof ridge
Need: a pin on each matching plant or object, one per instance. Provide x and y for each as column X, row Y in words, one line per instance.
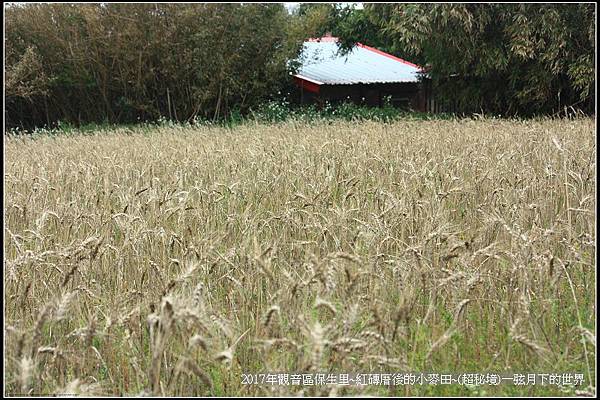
column 383, row 53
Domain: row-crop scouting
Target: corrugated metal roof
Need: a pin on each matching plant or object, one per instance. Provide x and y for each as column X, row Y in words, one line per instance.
column 321, row 63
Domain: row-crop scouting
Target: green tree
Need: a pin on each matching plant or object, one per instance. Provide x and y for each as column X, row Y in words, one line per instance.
column 124, row 62
column 503, row 58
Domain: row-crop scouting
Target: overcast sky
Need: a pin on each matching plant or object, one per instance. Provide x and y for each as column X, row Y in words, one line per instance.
column 291, row 6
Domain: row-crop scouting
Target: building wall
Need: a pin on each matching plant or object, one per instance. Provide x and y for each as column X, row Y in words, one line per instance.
column 402, row 95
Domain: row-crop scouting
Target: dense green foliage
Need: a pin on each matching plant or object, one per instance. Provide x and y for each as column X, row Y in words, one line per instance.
column 502, row 58
column 269, row 113
column 280, row 111
column 126, row 63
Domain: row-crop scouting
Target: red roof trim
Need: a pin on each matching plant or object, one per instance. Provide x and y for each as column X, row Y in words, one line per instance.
column 316, row 82
column 306, row 84
column 383, row 53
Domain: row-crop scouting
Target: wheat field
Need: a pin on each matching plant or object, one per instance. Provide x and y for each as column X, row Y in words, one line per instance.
column 172, row 260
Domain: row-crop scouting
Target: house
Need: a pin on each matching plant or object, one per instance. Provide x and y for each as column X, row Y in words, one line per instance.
column 363, row 76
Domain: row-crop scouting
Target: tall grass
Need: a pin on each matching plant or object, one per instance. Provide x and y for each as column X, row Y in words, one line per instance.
column 170, row 262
